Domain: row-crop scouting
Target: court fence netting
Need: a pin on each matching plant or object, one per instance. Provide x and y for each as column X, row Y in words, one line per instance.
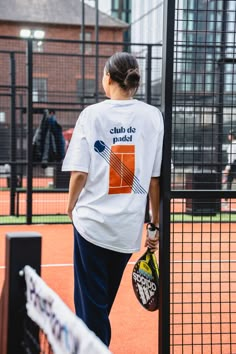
column 62, row 80
column 37, row 320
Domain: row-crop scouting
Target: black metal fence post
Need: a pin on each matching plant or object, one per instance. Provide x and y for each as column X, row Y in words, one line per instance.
column 148, row 99
column 164, row 258
column 221, row 78
column 148, row 82
column 21, row 137
column 83, row 53
column 22, row 248
column 13, row 135
column 97, row 52
column 29, row 130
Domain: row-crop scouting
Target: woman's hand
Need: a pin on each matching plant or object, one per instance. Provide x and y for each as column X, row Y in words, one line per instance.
column 69, row 213
column 152, row 243
column 77, row 183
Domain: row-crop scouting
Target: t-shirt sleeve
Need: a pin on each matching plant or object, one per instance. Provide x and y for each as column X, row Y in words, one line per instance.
column 158, row 158
column 78, row 155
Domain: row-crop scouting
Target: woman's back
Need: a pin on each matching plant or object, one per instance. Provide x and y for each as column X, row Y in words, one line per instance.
column 114, row 158
column 123, row 141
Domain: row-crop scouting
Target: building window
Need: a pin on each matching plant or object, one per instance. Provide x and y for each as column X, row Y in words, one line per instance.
column 190, row 19
column 87, row 46
column 2, row 117
column 230, row 83
column 40, row 89
column 38, row 46
column 189, row 4
column 89, row 90
column 188, row 82
column 199, row 82
column 121, row 9
column 208, row 82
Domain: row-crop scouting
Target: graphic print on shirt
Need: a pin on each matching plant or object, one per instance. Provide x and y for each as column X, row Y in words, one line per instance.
column 121, row 159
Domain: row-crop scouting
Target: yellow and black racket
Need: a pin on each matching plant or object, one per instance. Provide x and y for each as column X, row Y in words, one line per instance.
column 145, row 276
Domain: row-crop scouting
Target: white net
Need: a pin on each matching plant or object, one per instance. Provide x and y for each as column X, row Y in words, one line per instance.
column 66, row 333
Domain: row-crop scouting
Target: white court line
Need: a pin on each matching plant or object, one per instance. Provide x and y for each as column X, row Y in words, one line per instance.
column 133, row 262
column 43, row 201
column 59, row 265
column 66, row 264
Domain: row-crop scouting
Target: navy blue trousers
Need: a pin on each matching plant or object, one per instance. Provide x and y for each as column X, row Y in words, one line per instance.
column 97, row 275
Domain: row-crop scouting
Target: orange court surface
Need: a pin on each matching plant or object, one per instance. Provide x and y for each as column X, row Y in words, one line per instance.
column 134, row 330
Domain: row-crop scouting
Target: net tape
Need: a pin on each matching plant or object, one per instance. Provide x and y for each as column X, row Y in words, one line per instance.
column 66, row 332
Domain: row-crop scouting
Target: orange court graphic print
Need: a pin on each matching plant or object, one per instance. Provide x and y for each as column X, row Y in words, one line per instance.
column 121, row 181
column 121, row 159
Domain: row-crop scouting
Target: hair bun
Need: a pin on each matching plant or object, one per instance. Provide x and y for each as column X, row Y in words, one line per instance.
column 123, row 69
column 132, row 78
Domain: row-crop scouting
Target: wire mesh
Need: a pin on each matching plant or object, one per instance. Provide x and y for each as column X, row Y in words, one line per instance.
column 66, row 77
column 203, row 208
column 35, row 340
column 203, row 282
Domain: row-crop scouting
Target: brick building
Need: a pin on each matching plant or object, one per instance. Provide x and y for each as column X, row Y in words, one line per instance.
column 58, row 19
column 66, row 73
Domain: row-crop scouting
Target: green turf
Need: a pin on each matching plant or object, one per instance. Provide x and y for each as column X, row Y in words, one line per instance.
column 57, row 219
column 223, row 217
column 41, row 219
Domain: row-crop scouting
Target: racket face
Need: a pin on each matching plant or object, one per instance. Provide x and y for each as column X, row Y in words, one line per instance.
column 145, row 281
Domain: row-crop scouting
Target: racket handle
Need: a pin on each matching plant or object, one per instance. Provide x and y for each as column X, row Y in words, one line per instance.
column 152, row 230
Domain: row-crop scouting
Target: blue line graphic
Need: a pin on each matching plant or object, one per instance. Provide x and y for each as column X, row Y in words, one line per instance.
column 123, row 171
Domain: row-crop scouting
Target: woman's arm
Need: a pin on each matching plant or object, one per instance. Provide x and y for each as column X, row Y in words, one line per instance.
column 77, row 183
column 154, row 198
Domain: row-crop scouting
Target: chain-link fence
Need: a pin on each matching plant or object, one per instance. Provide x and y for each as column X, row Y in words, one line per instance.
column 61, row 78
column 198, row 249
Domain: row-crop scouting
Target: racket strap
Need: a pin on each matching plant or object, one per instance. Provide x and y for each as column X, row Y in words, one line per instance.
column 152, row 230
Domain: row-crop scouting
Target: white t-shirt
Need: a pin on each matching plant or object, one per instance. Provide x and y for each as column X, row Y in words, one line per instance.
column 231, row 152
column 119, row 144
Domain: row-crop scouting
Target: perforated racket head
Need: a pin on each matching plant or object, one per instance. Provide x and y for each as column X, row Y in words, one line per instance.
column 145, row 281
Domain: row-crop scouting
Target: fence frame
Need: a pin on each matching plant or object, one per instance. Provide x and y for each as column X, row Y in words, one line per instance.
column 166, row 107
column 169, row 194
column 31, row 108
column 12, row 300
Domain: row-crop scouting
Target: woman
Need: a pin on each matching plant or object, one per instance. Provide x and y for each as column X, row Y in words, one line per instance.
column 114, row 158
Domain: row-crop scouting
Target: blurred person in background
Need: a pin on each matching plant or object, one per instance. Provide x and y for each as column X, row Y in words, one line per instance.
column 229, row 172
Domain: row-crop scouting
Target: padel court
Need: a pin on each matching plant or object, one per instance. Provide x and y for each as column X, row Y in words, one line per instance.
column 202, row 288
column 191, row 76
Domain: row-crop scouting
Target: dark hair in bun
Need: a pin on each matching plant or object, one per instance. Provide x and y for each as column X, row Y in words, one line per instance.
column 123, row 68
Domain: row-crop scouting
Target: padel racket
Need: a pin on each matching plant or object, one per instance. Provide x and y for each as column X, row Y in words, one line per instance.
column 145, row 276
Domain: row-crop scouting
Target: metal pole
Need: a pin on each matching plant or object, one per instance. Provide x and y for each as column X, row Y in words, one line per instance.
column 22, row 248
column 220, row 110
column 13, row 181
column 166, row 105
column 97, row 51
column 29, row 130
column 21, row 139
column 148, row 94
column 148, row 91
column 148, row 99
column 120, row 9
column 83, row 52
column 127, row 32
